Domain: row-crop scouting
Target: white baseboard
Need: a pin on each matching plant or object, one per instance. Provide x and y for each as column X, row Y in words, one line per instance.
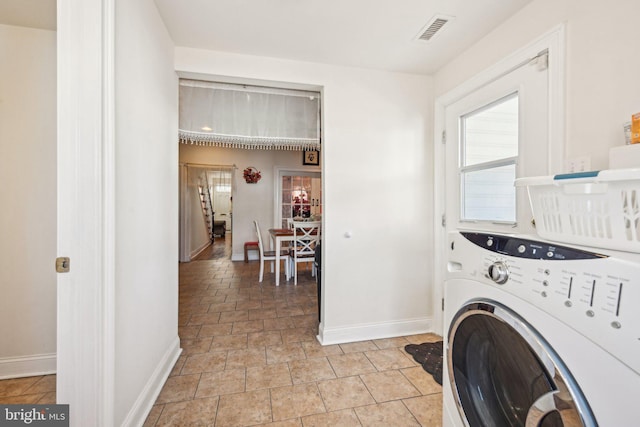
column 374, row 331
column 27, row 366
column 143, row 404
column 199, row 250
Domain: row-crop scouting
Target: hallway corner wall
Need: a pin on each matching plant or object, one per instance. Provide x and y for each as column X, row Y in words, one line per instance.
column 146, row 200
column 28, row 198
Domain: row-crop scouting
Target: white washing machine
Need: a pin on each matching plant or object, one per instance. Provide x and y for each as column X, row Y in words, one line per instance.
column 539, row 334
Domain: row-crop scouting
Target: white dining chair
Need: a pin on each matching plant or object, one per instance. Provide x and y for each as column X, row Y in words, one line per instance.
column 306, row 235
column 270, row 255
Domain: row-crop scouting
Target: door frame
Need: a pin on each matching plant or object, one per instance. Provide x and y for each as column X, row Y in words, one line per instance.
column 86, row 209
column 554, row 42
column 185, row 205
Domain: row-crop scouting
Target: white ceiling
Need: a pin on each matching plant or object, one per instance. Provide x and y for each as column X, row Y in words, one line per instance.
column 376, row 34
column 379, row 34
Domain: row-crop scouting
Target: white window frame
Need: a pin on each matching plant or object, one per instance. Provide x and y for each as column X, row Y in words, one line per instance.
column 280, row 172
column 484, row 166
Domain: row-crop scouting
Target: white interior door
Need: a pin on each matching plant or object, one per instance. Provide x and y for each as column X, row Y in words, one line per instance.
column 220, row 190
column 298, row 194
column 495, row 134
column 540, row 138
column 316, row 197
column 86, row 210
column 222, row 203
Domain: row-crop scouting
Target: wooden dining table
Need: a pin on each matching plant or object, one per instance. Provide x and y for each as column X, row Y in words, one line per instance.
column 279, row 235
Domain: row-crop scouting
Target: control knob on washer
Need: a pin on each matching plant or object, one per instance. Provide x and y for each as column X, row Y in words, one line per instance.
column 498, row 272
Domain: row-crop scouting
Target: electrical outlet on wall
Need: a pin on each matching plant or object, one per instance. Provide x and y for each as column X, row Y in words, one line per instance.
column 578, row 164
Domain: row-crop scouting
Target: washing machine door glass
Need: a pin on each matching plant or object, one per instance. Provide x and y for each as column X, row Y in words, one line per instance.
column 504, row 376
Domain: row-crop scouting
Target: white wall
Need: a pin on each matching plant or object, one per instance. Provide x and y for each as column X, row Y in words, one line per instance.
column 250, row 201
column 602, row 84
column 28, row 198
column 377, row 177
column 146, row 294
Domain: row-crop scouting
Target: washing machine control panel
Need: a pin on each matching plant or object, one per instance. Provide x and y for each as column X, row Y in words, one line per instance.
column 529, row 249
column 594, row 293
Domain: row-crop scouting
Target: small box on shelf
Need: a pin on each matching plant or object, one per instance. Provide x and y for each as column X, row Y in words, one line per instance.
column 635, row 128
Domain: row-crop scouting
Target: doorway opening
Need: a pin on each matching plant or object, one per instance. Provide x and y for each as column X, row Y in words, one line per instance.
column 206, row 211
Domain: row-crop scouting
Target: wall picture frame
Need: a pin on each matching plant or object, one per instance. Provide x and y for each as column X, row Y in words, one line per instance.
column 311, row 157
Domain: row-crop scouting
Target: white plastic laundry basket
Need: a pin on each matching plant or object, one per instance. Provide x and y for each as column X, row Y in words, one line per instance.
column 598, row 209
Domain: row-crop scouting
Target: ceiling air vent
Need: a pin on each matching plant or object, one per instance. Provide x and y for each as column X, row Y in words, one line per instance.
column 433, row 27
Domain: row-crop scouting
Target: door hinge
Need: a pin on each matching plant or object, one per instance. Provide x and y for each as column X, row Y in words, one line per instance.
column 442, row 304
column 443, row 220
column 63, row 264
column 444, row 137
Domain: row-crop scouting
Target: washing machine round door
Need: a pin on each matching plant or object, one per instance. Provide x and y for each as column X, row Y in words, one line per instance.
column 505, row 374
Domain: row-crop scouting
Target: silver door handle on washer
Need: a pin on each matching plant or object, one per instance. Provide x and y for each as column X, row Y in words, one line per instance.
column 546, row 404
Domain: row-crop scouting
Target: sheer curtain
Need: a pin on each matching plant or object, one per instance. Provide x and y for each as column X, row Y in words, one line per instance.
column 250, row 117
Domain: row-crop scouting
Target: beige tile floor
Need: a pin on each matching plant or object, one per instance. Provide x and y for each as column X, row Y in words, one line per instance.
column 251, row 357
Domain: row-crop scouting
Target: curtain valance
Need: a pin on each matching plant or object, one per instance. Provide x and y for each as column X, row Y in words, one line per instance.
column 249, row 117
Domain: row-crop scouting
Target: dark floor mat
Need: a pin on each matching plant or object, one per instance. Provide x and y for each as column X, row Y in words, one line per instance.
column 421, row 352
column 429, row 355
column 414, row 349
